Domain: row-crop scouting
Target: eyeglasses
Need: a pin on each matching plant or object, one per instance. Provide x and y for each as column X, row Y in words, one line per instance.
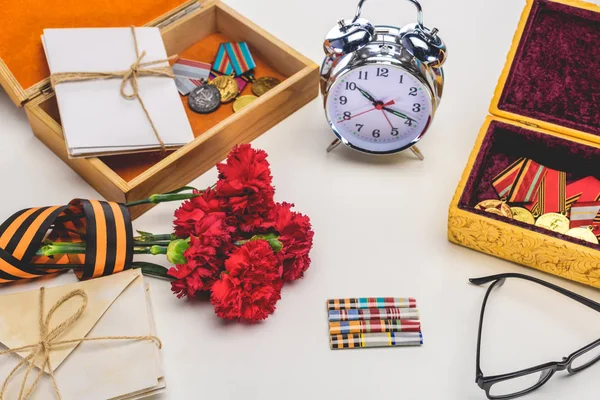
column 516, row 384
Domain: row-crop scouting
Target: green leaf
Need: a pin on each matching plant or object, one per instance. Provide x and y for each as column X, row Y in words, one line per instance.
column 151, row 269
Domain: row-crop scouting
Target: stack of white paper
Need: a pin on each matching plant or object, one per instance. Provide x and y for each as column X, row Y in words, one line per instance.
column 118, row 305
column 96, row 119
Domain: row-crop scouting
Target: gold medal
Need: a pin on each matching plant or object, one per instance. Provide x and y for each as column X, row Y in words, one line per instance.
column 554, row 222
column 583, row 234
column 523, row 215
column 264, row 84
column 227, row 86
column 500, row 206
column 242, row 102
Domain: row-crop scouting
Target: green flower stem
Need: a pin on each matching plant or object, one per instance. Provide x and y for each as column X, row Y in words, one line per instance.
column 59, row 248
column 149, row 237
column 154, row 250
column 150, row 244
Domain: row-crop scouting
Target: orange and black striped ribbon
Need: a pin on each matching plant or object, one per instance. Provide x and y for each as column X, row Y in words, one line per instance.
column 104, row 227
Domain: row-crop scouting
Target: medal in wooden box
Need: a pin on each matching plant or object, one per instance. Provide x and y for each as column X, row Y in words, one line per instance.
column 545, row 109
column 193, row 30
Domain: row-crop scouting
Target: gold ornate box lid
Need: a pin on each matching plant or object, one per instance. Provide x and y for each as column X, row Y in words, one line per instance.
column 550, row 79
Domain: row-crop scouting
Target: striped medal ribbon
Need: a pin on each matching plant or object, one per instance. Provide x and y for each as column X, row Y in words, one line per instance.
column 552, row 194
column 104, row 227
column 519, row 183
column 586, row 214
column 222, row 63
column 374, row 326
column 234, row 59
column 503, row 182
column 583, row 190
column 388, row 339
column 371, row 302
column 373, row 314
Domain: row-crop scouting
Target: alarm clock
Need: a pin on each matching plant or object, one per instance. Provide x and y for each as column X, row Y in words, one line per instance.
column 381, row 84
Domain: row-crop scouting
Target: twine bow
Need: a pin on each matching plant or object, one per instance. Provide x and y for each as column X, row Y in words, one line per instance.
column 48, row 340
column 129, row 78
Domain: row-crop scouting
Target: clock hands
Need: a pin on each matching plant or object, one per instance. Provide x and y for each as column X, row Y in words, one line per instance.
column 398, row 114
column 379, row 106
column 368, row 96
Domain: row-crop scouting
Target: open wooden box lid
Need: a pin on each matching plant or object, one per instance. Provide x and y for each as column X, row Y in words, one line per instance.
column 24, row 70
column 551, row 78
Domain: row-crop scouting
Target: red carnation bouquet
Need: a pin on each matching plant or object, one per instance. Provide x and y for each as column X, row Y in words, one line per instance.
column 231, row 241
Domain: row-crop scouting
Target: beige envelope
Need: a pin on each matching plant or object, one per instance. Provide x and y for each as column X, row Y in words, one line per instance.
column 118, row 305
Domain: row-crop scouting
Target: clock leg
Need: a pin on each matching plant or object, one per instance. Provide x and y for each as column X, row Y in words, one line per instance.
column 333, row 145
column 417, row 152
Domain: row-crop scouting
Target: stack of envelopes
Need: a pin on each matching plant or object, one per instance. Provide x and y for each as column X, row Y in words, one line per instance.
column 118, row 305
column 374, row 322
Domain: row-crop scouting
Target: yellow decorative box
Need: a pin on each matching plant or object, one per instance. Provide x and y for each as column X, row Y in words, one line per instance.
column 546, row 108
column 192, row 29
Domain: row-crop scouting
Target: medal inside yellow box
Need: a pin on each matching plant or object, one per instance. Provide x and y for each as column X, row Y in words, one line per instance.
column 193, row 30
column 545, row 109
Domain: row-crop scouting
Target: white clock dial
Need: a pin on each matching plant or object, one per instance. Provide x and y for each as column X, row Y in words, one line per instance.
column 379, row 108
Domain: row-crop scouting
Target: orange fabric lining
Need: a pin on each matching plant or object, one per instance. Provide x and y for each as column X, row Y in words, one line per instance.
column 130, row 166
column 101, row 238
column 24, row 22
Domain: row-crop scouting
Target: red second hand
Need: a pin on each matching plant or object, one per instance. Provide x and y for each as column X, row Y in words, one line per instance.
column 387, row 118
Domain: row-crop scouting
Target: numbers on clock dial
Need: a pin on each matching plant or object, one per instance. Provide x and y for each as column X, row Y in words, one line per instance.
column 379, row 108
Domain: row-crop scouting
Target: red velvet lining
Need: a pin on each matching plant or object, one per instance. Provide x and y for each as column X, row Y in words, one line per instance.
column 555, row 76
column 505, row 143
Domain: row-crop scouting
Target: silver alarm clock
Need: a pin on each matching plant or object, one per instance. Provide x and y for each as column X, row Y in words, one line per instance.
column 381, row 84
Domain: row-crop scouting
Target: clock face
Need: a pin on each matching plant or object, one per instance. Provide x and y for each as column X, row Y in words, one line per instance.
column 379, row 108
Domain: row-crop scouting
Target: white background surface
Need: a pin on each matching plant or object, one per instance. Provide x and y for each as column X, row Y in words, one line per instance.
column 380, row 231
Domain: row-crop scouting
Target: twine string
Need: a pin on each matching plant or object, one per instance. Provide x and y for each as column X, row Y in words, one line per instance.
column 129, row 78
column 48, row 340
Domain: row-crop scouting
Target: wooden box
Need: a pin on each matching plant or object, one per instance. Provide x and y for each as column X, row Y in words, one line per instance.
column 192, row 29
column 546, row 108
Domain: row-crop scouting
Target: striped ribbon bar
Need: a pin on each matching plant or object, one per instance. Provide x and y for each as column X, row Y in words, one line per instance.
column 222, row 63
column 585, row 214
column 389, row 339
column 371, row 302
column 526, row 185
column 504, row 181
column 104, row 227
column 373, row 314
column 552, row 194
column 240, row 57
column 399, row 325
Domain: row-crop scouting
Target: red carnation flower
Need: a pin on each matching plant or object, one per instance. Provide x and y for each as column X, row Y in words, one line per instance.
column 245, row 185
column 296, row 236
column 205, row 256
column 251, row 285
column 192, row 211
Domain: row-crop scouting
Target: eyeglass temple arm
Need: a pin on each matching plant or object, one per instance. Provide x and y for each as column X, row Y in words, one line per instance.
column 583, row 300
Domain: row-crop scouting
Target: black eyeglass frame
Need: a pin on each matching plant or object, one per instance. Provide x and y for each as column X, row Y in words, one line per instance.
column 546, row 370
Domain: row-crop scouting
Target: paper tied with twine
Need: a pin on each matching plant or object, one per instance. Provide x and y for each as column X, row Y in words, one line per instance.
column 93, row 340
column 115, row 90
